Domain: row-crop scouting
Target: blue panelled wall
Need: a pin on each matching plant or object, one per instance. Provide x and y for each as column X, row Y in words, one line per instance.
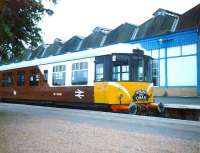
column 198, row 61
column 173, row 39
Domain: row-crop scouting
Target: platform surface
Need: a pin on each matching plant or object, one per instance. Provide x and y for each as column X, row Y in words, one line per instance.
column 180, row 102
column 30, row 129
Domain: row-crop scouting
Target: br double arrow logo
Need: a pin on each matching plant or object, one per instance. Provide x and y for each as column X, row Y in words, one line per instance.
column 79, row 93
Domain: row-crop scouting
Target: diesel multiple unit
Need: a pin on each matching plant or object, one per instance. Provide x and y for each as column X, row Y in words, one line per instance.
column 117, row 76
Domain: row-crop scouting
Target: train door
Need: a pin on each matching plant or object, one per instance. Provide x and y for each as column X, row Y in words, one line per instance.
column 102, row 76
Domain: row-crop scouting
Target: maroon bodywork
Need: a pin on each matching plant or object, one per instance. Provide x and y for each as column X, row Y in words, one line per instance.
column 43, row 92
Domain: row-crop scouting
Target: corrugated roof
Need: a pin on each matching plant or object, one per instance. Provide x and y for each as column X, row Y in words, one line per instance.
column 163, row 12
column 35, row 53
column 95, row 39
column 157, row 25
column 52, row 49
column 189, row 19
column 122, row 33
column 27, row 54
column 71, row 45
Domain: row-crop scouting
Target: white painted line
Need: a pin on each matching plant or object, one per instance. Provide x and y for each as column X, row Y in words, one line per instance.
column 181, row 106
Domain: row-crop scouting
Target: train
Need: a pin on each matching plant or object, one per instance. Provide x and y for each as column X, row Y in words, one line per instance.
column 118, row 77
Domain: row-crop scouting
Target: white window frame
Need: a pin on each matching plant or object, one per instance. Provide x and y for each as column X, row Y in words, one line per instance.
column 78, row 68
column 58, row 74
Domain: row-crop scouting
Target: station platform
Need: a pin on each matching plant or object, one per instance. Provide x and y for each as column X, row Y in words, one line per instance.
column 180, row 102
column 187, row 108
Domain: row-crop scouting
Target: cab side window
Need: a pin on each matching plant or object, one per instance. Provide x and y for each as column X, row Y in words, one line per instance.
column 99, row 72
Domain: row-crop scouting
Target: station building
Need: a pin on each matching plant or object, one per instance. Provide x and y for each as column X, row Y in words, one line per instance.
column 172, row 39
column 176, row 65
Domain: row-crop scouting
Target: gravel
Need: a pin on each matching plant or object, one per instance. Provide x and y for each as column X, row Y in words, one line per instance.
column 22, row 133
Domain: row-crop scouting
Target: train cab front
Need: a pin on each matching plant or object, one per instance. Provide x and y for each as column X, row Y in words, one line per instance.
column 124, row 81
column 144, row 103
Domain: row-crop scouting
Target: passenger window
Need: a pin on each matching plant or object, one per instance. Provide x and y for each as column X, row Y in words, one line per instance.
column 7, row 80
column 59, row 75
column 80, row 73
column 34, row 77
column 20, row 78
column 99, row 72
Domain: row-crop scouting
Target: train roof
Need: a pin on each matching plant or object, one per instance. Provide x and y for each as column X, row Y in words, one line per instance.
column 117, row 48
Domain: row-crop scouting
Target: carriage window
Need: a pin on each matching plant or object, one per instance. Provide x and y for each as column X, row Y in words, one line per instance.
column 59, row 75
column 20, row 78
column 45, row 75
column 7, row 79
column 99, row 72
column 34, row 77
column 120, row 73
column 80, row 73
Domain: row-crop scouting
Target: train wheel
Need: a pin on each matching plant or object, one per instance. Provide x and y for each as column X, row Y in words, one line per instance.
column 161, row 108
column 133, row 109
